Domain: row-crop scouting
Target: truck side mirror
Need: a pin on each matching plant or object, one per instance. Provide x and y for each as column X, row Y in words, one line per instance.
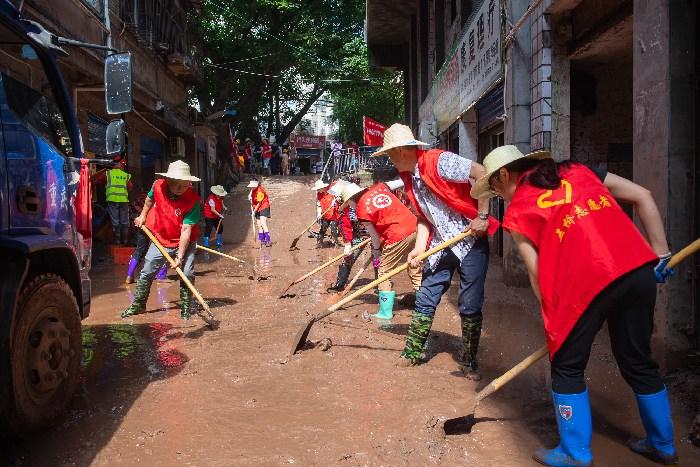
column 118, row 83
column 115, row 137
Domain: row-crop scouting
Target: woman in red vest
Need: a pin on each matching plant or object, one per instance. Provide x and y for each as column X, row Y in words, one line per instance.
column 174, row 223
column 213, row 214
column 588, row 264
column 266, row 154
column 260, row 205
column 326, row 212
column 438, row 183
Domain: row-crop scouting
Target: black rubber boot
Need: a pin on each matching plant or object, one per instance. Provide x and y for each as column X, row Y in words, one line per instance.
column 342, row 279
column 471, row 334
column 143, row 290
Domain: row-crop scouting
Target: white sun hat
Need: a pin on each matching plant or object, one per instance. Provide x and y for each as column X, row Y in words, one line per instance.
column 319, row 185
column 337, row 188
column 179, row 170
column 350, row 190
column 497, row 159
column 253, row 184
column 396, row 136
column 218, row 190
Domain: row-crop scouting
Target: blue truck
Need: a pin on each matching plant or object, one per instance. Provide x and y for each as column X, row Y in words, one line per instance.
column 44, row 257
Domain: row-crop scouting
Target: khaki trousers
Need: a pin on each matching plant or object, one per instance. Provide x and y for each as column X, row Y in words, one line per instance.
column 395, row 255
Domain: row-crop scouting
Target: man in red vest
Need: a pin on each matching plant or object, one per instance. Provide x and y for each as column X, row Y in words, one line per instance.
column 438, row 184
column 175, row 225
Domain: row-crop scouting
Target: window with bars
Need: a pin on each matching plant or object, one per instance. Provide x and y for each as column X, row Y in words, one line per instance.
column 97, row 6
column 156, row 23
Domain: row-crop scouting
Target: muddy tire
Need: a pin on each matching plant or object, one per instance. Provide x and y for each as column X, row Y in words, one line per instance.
column 45, row 354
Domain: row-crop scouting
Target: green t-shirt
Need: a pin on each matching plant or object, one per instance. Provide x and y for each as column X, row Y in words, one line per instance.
column 192, row 216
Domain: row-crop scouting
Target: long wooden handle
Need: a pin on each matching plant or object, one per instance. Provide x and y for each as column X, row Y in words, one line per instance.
column 314, row 222
column 684, row 253
column 357, row 277
column 504, row 379
column 397, row 270
column 330, row 261
column 177, row 269
column 218, row 226
column 209, row 250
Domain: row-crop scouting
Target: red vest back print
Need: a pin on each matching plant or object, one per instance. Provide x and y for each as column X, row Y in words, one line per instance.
column 265, row 202
column 390, row 217
column 218, row 205
column 170, row 213
column 455, row 195
column 585, row 242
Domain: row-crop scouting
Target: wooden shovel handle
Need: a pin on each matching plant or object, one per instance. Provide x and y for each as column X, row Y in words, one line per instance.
column 504, row 379
column 177, row 269
column 209, row 250
column 684, row 253
column 397, row 270
column 330, row 261
column 314, row 222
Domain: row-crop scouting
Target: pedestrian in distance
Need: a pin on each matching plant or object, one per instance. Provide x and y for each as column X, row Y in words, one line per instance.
column 392, row 228
column 326, row 212
column 285, row 161
column 588, row 263
column 175, row 224
column 260, row 204
column 214, row 209
column 248, row 150
column 437, row 182
column 266, row 155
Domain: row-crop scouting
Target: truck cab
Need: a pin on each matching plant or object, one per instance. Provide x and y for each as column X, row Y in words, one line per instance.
column 44, row 281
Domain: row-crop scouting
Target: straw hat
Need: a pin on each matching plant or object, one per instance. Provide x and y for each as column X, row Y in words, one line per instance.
column 497, row 159
column 319, row 185
column 337, row 188
column 179, row 170
column 218, row 190
column 396, row 136
column 350, row 190
column 253, row 184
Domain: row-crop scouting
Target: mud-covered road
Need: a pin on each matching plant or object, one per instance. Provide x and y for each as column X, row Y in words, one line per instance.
column 160, row 391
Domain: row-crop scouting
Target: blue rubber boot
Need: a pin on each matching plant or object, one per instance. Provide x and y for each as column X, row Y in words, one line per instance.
column 386, row 304
column 261, row 237
column 162, row 274
column 655, row 412
column 205, row 241
column 573, row 412
column 219, row 240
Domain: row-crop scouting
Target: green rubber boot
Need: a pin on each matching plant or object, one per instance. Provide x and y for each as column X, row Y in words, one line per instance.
column 471, row 333
column 143, row 289
column 386, row 304
column 418, row 332
column 185, row 301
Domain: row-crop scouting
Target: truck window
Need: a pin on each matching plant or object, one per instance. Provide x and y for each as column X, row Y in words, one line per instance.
column 29, row 97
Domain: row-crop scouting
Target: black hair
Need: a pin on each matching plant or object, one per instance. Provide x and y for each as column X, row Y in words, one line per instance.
column 544, row 173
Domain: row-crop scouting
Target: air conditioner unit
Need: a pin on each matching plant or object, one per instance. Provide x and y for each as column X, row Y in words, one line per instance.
column 177, row 146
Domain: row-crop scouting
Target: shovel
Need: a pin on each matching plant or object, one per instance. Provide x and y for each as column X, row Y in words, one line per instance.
column 209, row 319
column 463, row 425
column 356, row 278
column 209, row 250
column 252, row 221
column 323, row 266
column 301, row 336
column 293, row 246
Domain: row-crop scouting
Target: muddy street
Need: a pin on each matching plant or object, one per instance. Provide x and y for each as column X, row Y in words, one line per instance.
column 157, row 390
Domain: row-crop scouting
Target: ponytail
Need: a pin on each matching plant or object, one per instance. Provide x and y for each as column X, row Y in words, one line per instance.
column 543, row 174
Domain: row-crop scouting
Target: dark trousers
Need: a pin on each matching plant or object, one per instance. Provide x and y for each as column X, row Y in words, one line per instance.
column 472, row 277
column 142, row 243
column 324, row 227
column 628, row 306
column 210, row 224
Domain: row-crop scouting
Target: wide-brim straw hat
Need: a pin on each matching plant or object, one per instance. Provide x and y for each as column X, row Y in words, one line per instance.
column 497, row 159
column 337, row 188
column 179, row 170
column 350, row 190
column 253, row 184
column 218, row 190
column 397, row 136
column 319, row 185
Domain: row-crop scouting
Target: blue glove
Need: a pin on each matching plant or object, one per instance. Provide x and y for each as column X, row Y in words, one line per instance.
column 661, row 271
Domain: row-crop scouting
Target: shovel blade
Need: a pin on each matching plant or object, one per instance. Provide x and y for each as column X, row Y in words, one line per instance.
column 293, row 246
column 300, row 338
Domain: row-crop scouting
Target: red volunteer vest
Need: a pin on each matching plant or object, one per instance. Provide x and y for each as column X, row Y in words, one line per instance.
column 345, row 225
column 170, row 213
column 325, row 200
column 218, row 205
column 585, row 242
column 266, row 152
column 455, row 195
column 390, row 217
column 265, row 204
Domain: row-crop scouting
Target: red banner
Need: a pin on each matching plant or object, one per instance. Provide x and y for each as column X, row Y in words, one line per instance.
column 308, row 141
column 374, row 132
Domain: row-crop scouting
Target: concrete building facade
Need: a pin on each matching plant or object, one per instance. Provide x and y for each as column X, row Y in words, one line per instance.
column 611, row 83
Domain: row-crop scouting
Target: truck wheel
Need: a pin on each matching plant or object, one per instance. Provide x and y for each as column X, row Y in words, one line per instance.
column 45, row 353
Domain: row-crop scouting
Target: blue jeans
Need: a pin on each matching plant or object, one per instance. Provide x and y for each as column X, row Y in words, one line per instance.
column 472, row 276
column 155, row 260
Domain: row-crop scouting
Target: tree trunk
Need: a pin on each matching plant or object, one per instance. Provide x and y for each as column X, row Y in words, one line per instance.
column 296, row 119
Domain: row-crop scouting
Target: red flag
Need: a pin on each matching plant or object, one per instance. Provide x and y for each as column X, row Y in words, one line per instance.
column 374, row 132
column 233, row 147
column 83, row 204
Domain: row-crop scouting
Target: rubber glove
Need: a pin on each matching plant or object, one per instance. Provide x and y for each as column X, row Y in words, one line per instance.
column 346, row 249
column 661, row 271
column 376, row 262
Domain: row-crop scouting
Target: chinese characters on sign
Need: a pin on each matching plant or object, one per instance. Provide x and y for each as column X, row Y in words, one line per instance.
column 308, row 141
